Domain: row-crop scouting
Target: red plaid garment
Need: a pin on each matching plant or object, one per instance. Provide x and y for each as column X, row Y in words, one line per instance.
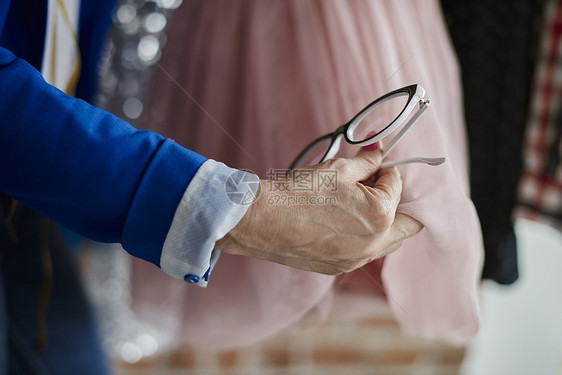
column 540, row 188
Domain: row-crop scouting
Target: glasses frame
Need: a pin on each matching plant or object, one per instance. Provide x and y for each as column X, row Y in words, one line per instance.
column 415, row 94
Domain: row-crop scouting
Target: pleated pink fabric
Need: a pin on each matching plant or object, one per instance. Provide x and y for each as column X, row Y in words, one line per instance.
column 250, row 83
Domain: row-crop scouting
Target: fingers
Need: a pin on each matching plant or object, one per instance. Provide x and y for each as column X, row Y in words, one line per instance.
column 383, row 196
column 365, row 164
column 389, row 184
column 403, row 227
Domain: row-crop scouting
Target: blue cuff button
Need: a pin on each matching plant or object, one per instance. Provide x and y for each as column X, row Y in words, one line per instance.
column 191, row 279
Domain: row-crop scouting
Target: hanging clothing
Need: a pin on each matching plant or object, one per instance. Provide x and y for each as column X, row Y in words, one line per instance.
column 251, row 83
column 495, row 42
column 540, row 190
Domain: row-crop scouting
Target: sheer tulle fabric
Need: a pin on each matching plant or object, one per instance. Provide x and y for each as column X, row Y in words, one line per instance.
column 250, row 83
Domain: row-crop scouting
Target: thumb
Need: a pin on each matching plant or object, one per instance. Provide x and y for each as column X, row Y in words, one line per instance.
column 403, row 227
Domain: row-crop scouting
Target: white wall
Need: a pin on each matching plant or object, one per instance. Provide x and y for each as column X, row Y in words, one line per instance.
column 521, row 331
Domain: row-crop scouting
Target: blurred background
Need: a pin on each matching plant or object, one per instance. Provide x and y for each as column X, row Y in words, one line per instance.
column 510, row 53
column 521, row 330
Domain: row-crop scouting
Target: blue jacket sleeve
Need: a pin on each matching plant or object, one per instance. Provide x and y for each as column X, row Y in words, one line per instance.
column 86, row 168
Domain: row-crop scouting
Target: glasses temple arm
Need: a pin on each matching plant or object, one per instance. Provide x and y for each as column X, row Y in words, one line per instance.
column 423, row 106
column 428, row 161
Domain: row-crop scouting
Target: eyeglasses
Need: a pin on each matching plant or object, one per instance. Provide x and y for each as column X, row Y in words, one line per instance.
column 373, row 123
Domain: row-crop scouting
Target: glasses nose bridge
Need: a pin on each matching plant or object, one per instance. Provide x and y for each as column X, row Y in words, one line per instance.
column 341, row 129
column 341, row 132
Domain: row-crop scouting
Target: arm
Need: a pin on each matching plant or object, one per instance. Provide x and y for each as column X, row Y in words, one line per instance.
column 102, row 178
column 85, row 168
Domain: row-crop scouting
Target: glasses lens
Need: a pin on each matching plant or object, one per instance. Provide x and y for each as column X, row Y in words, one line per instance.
column 377, row 117
column 314, row 154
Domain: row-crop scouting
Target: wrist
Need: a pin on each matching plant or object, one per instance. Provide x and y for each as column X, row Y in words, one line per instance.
column 239, row 239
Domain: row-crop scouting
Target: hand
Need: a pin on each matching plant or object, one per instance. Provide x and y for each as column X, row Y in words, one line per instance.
column 331, row 229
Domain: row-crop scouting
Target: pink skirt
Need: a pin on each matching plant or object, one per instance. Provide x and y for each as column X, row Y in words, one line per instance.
column 250, row 83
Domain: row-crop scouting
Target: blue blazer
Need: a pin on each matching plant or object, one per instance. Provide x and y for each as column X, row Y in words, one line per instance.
column 73, row 162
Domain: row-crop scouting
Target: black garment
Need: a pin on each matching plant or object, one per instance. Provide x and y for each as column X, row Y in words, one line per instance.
column 496, row 43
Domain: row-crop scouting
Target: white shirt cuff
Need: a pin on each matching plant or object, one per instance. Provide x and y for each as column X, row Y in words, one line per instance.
column 214, row 202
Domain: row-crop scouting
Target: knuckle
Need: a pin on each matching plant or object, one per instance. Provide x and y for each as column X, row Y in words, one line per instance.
column 347, row 265
column 382, row 214
column 387, row 189
column 338, row 164
column 359, row 261
column 373, row 162
column 346, row 268
column 371, row 253
column 386, row 216
column 334, row 269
